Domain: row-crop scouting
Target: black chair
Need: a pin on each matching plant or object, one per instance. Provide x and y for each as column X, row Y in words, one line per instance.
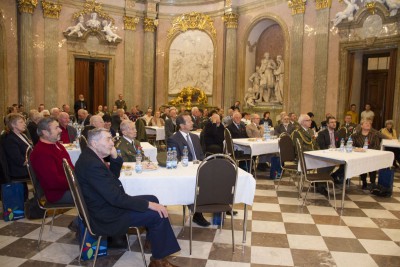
column 41, row 198
column 314, row 177
column 229, row 150
column 84, row 214
column 83, row 143
column 5, row 178
column 287, row 156
column 141, row 130
column 215, row 189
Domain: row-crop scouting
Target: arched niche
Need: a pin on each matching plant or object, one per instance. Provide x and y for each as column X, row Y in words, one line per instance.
column 266, row 34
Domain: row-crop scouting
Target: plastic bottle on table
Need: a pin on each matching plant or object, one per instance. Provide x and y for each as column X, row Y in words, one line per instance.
column 342, row 145
column 349, row 145
column 185, row 157
column 138, row 165
column 267, row 132
column 174, row 158
column 366, row 143
column 169, row 159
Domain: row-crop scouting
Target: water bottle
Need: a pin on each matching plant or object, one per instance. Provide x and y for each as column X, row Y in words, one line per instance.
column 216, row 220
column 169, row 158
column 76, row 142
column 119, row 153
column 267, row 132
column 138, row 166
column 174, row 158
column 365, row 143
column 342, row 145
column 349, row 146
column 185, row 157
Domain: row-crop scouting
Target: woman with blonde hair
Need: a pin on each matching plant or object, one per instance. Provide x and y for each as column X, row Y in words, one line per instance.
column 156, row 120
column 391, row 133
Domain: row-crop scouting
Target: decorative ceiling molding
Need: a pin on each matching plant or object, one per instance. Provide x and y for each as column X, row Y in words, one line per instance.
column 192, row 21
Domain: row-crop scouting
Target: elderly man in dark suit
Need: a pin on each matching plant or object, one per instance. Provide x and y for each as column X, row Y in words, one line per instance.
column 237, row 128
column 284, row 127
column 183, row 138
column 69, row 133
column 111, row 210
column 170, row 124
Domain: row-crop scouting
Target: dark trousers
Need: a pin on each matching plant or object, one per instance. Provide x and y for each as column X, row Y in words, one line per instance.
column 159, row 231
column 372, row 177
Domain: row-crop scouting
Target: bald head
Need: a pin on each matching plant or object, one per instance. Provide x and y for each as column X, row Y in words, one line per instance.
column 63, row 119
column 97, row 121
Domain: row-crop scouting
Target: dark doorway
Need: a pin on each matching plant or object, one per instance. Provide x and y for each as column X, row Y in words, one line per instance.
column 91, row 81
column 378, row 80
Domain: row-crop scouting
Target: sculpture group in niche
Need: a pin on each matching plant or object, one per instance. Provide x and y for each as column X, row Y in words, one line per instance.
column 93, row 24
column 267, row 82
column 393, row 5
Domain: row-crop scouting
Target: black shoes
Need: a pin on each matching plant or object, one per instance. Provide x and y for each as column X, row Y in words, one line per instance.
column 199, row 219
column 322, row 191
column 229, row 213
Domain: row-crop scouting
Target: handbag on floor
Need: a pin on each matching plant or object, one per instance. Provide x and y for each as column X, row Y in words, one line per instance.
column 90, row 243
column 385, row 183
column 13, row 201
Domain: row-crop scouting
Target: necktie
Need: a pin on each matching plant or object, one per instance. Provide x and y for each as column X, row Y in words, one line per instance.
column 332, row 138
column 191, row 146
column 133, row 144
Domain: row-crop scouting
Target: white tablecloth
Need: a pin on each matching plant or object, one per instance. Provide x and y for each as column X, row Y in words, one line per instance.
column 177, row 186
column 148, row 150
column 256, row 148
column 390, row 143
column 158, row 131
column 356, row 162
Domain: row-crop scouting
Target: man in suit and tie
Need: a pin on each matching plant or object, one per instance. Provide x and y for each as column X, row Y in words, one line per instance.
column 237, row 128
column 285, row 126
column 196, row 118
column 183, row 138
column 170, row 123
column 128, row 145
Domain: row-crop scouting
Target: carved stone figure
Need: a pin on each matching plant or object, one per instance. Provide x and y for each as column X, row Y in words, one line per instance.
column 255, row 80
column 393, row 5
column 93, row 22
column 347, row 13
column 77, row 28
column 249, row 97
column 110, row 35
column 267, row 80
column 279, row 73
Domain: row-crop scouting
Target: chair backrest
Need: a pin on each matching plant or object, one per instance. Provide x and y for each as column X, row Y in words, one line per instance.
column 216, row 181
column 342, row 133
column 5, row 178
column 203, row 142
column 77, row 195
column 229, row 144
column 302, row 161
column 83, row 143
column 286, row 149
column 141, row 130
column 37, row 189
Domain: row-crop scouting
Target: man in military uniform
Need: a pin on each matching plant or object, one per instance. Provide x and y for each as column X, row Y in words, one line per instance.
column 127, row 145
column 305, row 134
column 349, row 126
column 120, row 103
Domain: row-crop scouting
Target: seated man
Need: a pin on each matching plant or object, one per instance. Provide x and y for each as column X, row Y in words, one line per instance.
column 68, row 134
column 47, row 162
column 170, row 124
column 111, row 210
column 96, row 121
column 127, row 145
column 255, row 130
column 350, row 127
column 183, row 138
column 214, row 134
column 237, row 128
column 285, row 126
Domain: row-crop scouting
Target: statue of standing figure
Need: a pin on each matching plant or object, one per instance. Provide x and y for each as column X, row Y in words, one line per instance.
column 267, row 81
column 279, row 73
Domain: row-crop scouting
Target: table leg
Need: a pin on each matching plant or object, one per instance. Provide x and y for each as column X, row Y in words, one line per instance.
column 244, row 224
column 344, row 188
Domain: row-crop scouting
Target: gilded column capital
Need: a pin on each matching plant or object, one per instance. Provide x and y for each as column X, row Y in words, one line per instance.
column 231, row 20
column 51, row 10
column 321, row 4
column 130, row 23
column 150, row 25
column 371, row 7
column 297, row 6
column 27, row 6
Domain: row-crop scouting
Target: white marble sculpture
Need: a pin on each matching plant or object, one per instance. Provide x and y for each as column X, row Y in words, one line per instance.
column 393, row 5
column 249, row 97
column 255, row 80
column 347, row 13
column 77, row 28
column 279, row 73
column 93, row 22
column 110, row 35
column 267, row 80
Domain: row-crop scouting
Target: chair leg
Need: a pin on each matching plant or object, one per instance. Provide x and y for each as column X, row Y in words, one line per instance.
column 184, row 215
column 52, row 220
column 334, row 195
column 280, row 179
column 141, row 246
column 127, row 241
column 327, row 188
column 222, row 220
column 41, row 229
column 83, row 243
column 305, row 197
column 233, row 233
column 190, row 233
column 97, row 251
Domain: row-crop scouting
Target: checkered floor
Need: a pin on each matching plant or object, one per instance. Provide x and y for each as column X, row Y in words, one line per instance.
column 280, row 233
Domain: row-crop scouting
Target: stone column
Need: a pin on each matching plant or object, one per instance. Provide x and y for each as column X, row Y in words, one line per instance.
column 51, row 13
column 296, row 62
column 148, row 63
column 321, row 59
column 230, row 68
column 129, row 59
column 25, row 53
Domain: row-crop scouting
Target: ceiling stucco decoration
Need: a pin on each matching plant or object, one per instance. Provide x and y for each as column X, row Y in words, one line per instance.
column 93, row 6
column 192, row 21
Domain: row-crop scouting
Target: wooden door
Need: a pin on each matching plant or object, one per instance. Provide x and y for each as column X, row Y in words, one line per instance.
column 375, row 94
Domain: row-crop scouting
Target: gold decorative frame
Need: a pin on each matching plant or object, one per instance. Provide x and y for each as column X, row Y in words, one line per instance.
column 182, row 23
column 93, row 6
column 27, row 6
column 51, row 10
column 189, row 96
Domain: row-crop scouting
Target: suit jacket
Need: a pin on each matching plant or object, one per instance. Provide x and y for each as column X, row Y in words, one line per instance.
column 170, row 128
column 196, row 123
column 177, row 140
column 108, row 205
column 86, row 121
column 128, row 152
column 254, row 132
column 281, row 129
column 307, row 140
column 213, row 135
column 120, row 104
column 237, row 132
column 32, row 129
column 324, row 139
column 79, row 105
column 15, row 151
column 86, row 130
column 350, row 128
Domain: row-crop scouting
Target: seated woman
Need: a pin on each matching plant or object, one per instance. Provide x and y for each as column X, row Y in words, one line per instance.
column 390, row 133
column 157, row 120
column 360, row 137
